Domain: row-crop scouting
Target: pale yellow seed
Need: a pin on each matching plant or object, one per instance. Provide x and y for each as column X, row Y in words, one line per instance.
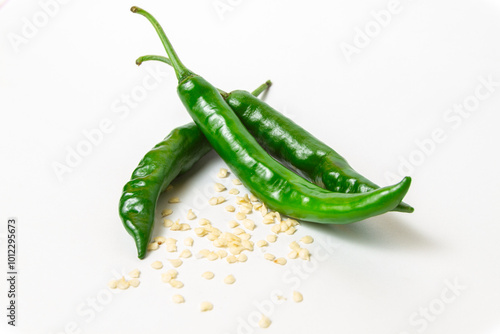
column 272, row 238
column 204, row 221
column 263, row 210
column 222, row 173
column 171, row 248
column 294, row 245
column 212, row 236
column 229, row 279
column 294, row 222
column 157, row 265
column 166, row 277
column 231, row 259
column 253, row 198
column 173, row 273
column 248, row 245
column 245, row 236
column 276, row 228
column 283, row 227
column 188, row 242
column 190, row 215
column 206, row 306
column 307, row 239
column 269, row 257
column 236, row 182
column 166, row 212
column 186, row 253
column 281, row 261
column 135, row 273
column 268, row 221
column 262, row 243
column 170, row 187
column 293, row 254
column 234, row 191
column 176, row 284
column 113, row 284
column 219, row 243
column 257, row 206
column 185, row 227
column 213, row 201
column 297, row 297
column 153, row 246
column 242, row 258
column 281, row 297
column 204, row 253
column 178, row 299
column 160, row 240
column 220, row 200
column 291, row 230
column 134, row 282
column 245, row 209
column 200, row 231
column 230, row 208
column 238, row 230
column 212, row 256
column 208, row 275
column 249, row 224
column 176, row 226
column 277, row 215
column 167, row 222
column 221, row 253
column 169, row 241
column 233, row 224
column 176, row 262
column 304, row 254
column 240, row 216
column 123, row 284
column 264, row 322
column 219, row 187
column 174, row 200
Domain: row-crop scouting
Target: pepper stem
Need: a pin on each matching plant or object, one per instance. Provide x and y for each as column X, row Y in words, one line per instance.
column 262, row 88
column 180, row 70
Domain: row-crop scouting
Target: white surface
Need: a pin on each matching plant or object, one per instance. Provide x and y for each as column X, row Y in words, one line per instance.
column 66, row 78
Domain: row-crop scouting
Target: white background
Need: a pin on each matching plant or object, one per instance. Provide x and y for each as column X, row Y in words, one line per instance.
column 71, row 72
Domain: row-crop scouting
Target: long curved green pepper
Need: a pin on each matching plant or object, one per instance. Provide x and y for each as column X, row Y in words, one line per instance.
column 281, row 189
column 293, row 146
column 173, row 156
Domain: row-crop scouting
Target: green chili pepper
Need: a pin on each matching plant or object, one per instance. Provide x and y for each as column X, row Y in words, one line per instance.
column 174, row 155
column 280, row 188
column 293, row 146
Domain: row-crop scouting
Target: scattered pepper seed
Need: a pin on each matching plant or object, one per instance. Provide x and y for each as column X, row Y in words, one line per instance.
column 297, row 297
column 307, row 239
column 253, row 198
column 157, row 265
column 206, row 306
column 113, row 284
column 171, row 248
column 166, row 212
column 153, row 246
column 176, row 284
column 186, row 253
column 219, row 187
column 123, row 284
column 294, row 245
column 212, row 256
column 188, row 242
column 291, row 230
column 134, row 282
column 304, row 254
column 176, row 226
column 236, row 182
column 221, row 253
column 135, row 273
column 176, row 262
column 178, row 299
column 242, row 258
column 233, row 224
column 170, row 187
column 167, row 222
column 222, row 173
column 160, row 240
column 275, row 228
column 229, row 279
column 208, row 275
column 264, row 322
column 271, row 238
column 281, row 261
column 234, row 191
column 213, row 201
column 230, row 208
column 269, row 257
column 293, row 254
column 249, row 224
column 240, row 216
column 174, row 200
column 231, row 259
column 262, row 243
column 191, row 215
column 220, row 200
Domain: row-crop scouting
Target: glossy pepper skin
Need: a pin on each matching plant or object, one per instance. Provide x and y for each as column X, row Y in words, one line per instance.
column 298, row 149
column 176, row 154
column 293, row 146
column 274, row 184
